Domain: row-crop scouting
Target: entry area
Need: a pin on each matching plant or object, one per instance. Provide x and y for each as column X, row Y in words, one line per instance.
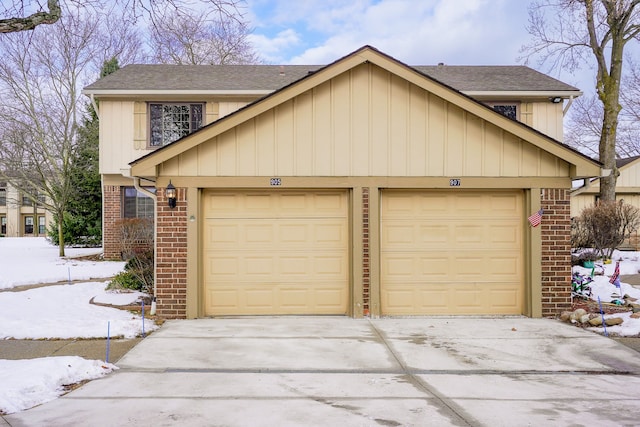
column 275, row 252
column 451, row 252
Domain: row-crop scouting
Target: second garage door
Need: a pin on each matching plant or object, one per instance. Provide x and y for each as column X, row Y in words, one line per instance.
column 451, row 252
column 275, row 252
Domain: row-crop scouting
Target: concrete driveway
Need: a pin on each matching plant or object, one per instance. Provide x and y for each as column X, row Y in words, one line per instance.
column 337, row 371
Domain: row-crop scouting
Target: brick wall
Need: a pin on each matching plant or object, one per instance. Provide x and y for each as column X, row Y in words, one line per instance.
column 366, row 273
column 556, row 251
column 171, row 260
column 112, row 213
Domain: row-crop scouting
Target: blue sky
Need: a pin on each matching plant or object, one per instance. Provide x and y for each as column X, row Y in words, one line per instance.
column 417, row 32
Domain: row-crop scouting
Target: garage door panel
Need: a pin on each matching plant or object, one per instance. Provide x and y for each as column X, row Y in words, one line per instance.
column 276, row 253
column 439, row 298
column 451, row 252
column 256, row 234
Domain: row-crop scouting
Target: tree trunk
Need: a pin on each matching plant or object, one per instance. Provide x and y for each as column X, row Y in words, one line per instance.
column 60, row 235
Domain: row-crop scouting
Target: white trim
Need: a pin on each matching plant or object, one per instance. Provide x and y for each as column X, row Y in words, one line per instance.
column 134, row 92
column 523, row 93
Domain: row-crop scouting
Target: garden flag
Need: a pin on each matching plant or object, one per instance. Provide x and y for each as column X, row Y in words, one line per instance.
column 615, row 279
column 535, row 219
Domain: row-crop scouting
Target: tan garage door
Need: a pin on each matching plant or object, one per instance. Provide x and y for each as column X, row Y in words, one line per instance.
column 275, row 252
column 446, row 252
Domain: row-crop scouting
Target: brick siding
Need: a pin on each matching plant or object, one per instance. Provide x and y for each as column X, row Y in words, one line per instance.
column 556, row 251
column 171, row 267
column 112, row 213
column 366, row 262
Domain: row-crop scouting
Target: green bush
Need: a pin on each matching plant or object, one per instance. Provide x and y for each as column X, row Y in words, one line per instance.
column 137, row 274
column 126, row 280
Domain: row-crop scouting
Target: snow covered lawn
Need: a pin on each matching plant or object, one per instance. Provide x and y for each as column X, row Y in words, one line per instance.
column 59, row 311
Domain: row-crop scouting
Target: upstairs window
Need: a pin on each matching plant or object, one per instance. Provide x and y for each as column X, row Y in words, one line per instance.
column 26, row 200
column 170, row 122
column 3, row 194
column 509, row 110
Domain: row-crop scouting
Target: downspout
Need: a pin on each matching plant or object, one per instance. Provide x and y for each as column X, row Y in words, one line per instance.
column 136, row 184
column 566, row 107
column 95, row 105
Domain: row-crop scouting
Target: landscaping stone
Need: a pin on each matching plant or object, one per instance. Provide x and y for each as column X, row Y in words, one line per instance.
column 613, row 321
column 596, row 321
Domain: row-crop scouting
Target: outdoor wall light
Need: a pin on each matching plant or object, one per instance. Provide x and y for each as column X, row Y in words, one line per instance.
column 170, row 192
column 555, row 99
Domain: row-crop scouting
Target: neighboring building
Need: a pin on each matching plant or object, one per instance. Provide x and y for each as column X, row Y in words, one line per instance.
column 363, row 187
column 19, row 216
column 627, row 189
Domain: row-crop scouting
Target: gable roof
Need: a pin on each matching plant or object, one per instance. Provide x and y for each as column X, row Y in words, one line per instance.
column 262, row 79
column 623, row 163
column 583, row 166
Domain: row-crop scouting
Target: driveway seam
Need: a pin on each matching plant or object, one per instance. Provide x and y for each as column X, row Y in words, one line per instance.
column 420, row 384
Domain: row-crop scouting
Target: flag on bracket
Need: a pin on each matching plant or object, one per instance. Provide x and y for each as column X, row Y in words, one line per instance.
column 536, row 218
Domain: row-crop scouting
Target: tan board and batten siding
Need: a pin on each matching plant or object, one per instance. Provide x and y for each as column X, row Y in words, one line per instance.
column 373, row 124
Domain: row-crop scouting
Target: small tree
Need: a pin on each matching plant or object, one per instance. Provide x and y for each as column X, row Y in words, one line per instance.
column 608, row 224
column 136, row 246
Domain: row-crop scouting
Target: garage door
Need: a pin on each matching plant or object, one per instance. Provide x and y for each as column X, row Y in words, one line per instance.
column 275, row 253
column 451, row 253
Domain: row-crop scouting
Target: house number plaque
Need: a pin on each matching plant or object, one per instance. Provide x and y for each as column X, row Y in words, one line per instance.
column 274, row 182
column 454, row 183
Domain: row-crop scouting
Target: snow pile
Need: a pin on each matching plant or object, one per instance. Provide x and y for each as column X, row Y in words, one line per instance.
column 27, row 383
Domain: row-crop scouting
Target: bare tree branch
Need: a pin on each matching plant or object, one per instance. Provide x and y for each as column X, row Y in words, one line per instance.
column 573, row 33
column 16, row 24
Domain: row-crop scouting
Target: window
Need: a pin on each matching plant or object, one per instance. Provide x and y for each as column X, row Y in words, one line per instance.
column 28, row 225
column 3, row 225
column 3, row 195
column 170, row 122
column 509, row 110
column 42, row 225
column 26, row 200
column 136, row 204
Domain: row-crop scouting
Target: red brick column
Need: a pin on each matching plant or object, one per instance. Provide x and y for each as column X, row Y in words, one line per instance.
column 556, row 251
column 111, row 200
column 171, row 256
column 366, row 261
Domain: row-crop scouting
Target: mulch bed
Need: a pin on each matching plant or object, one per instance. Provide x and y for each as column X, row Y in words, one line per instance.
column 593, row 307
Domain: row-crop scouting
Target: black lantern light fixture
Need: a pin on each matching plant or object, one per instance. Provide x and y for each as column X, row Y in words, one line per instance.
column 170, row 192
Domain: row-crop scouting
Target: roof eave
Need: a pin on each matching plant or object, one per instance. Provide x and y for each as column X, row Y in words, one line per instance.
column 523, row 93
column 161, row 92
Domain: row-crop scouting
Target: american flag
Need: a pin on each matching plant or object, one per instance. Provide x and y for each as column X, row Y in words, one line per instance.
column 536, row 218
column 614, row 277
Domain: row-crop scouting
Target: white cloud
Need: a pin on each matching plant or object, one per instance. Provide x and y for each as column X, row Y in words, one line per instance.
column 424, row 32
column 272, row 49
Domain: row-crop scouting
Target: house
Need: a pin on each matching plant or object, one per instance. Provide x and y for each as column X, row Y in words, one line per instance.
column 627, row 189
column 19, row 215
column 364, row 187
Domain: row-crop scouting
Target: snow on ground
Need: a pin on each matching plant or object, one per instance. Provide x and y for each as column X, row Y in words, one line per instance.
column 59, row 311
column 33, row 260
column 28, row 383
column 63, row 311
column 601, row 288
